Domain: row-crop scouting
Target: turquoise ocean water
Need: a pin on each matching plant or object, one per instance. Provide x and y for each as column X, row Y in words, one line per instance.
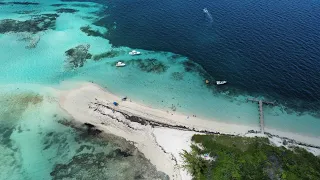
column 35, row 142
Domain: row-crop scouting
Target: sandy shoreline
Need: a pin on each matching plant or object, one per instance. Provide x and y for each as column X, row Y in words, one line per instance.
column 160, row 135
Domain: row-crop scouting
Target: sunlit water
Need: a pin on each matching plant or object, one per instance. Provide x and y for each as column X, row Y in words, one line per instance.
column 33, row 136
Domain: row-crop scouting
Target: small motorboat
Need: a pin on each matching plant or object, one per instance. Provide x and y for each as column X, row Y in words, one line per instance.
column 134, row 52
column 120, row 64
column 205, row 10
column 221, row 82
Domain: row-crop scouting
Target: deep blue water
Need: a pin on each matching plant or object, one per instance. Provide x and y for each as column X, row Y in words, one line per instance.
column 262, row 47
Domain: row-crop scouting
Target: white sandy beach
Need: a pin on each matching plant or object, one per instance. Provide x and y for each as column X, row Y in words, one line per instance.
column 89, row 103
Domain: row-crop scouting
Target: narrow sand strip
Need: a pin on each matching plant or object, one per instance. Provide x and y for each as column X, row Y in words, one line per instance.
column 135, row 122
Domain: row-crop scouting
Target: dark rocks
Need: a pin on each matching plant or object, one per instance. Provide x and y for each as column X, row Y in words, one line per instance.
column 25, row 3
column 20, row 3
column 136, row 119
column 285, row 142
column 57, row 5
column 36, row 24
column 108, row 54
column 66, row 10
column 253, row 131
column 77, row 56
column 122, row 153
column 106, row 166
column 92, row 130
column 89, row 125
column 152, row 123
column 90, row 32
column 150, row 65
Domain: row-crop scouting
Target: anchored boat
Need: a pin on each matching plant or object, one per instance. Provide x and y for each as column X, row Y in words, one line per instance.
column 221, row 82
column 134, row 52
column 120, row 64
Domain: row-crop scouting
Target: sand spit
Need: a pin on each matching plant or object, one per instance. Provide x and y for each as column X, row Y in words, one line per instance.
column 160, row 135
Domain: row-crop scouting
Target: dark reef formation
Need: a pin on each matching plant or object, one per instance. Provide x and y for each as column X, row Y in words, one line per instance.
column 38, row 23
column 66, row 10
column 108, row 54
column 100, row 156
column 90, row 32
column 57, row 5
column 77, row 56
column 114, row 165
column 149, row 65
column 92, row 130
column 178, row 76
column 176, row 56
column 13, row 106
column 19, row 3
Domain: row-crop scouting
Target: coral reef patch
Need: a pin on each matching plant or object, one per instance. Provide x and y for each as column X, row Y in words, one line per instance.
column 108, row 54
column 116, row 164
column 150, row 65
column 38, row 23
column 77, row 56
column 19, row 3
column 12, row 107
column 90, row 32
column 57, row 5
column 102, row 156
column 66, row 10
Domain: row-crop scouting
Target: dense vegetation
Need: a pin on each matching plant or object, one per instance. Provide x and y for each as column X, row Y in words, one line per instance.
column 244, row 158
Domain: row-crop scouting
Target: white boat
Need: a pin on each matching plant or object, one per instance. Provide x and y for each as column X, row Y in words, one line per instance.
column 120, row 64
column 205, row 10
column 221, row 82
column 134, row 52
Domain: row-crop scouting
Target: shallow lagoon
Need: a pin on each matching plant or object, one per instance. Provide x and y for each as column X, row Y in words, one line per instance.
column 33, row 137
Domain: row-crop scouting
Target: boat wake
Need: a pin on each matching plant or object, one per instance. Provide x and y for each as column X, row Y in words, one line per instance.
column 208, row 15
